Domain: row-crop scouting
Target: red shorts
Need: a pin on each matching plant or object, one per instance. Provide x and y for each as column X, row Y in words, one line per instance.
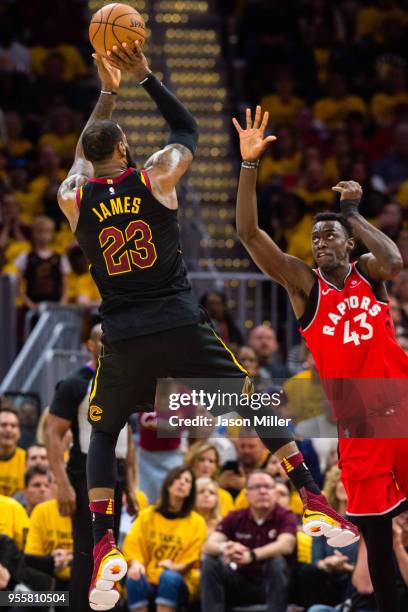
column 374, row 474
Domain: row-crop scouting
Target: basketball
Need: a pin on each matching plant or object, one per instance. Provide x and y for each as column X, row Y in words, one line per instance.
column 114, row 24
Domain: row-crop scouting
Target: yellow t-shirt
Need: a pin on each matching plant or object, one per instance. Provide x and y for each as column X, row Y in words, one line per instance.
column 153, row 538
column 332, row 112
column 280, row 111
column 64, row 145
column 303, row 547
column 39, row 185
column 226, row 502
column 305, row 396
column 310, row 197
column 14, row 521
column 48, row 531
column 383, row 105
column 402, row 196
column 142, row 500
column 284, row 167
column 298, row 240
column 12, row 473
column 75, row 65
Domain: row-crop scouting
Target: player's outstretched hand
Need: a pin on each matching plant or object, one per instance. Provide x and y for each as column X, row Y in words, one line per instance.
column 129, row 59
column 108, row 74
column 251, row 139
column 349, row 190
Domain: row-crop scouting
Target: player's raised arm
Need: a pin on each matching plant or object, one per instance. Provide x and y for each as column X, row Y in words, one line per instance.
column 384, row 261
column 167, row 166
column 289, row 271
column 82, row 169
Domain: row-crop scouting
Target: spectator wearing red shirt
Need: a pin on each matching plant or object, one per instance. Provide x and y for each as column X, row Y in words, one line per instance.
column 247, row 557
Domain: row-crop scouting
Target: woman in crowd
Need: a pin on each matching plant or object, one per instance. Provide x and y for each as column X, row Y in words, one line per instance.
column 204, row 460
column 163, row 547
column 207, row 502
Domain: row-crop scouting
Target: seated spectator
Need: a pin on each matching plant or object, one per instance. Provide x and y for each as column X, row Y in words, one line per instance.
column 313, row 186
column 334, row 108
column 14, row 56
column 37, row 488
column 42, row 272
column 304, row 391
column 394, row 94
column 207, row 502
column 81, row 286
column 309, row 132
column 204, row 460
column 282, row 105
column 327, row 579
column 12, row 458
column 17, row 146
column 74, row 64
column 14, row 521
column 18, row 181
column 275, row 469
column 392, row 169
column 251, row 455
column 50, row 536
column 263, row 340
column 248, row 555
column 390, row 220
column 249, row 359
column 163, row 547
column 293, row 227
column 215, row 303
column 61, row 134
column 50, row 171
column 37, row 455
column 282, row 159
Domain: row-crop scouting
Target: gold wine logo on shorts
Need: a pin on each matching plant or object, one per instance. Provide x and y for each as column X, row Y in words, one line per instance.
column 95, row 413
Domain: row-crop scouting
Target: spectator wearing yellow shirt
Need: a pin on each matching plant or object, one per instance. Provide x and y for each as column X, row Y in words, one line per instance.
column 17, row 145
column 13, row 232
column 204, row 460
column 18, row 181
column 385, row 104
column 14, row 521
column 313, row 186
column 50, row 171
column 304, row 392
column 74, row 64
column 283, row 159
column 207, row 502
column 164, row 547
column 81, row 286
column 337, row 165
column 282, row 105
column 293, row 226
column 12, row 458
column 334, row 108
column 50, row 534
column 37, row 488
column 61, row 135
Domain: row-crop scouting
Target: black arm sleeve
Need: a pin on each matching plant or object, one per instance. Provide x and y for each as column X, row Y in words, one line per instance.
column 183, row 126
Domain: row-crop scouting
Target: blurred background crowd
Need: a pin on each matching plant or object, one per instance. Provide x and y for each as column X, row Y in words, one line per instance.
column 333, row 75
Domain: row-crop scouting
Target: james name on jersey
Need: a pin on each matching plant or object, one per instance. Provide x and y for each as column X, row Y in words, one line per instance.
column 117, row 206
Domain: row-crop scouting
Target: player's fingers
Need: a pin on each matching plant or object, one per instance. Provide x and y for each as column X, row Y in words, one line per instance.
column 248, row 119
column 119, row 53
column 265, row 120
column 114, row 62
column 270, row 139
column 337, row 188
column 137, row 48
column 128, row 51
column 237, row 125
column 257, row 117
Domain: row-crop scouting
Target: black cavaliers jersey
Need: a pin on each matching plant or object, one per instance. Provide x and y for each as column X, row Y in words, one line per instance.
column 133, row 245
column 43, row 277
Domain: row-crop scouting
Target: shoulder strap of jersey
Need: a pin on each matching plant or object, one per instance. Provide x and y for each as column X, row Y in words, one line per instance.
column 78, row 195
column 144, row 177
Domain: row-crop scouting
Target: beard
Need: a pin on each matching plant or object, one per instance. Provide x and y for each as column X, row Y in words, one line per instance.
column 129, row 159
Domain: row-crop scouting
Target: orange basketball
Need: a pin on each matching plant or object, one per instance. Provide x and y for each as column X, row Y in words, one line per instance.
column 114, row 24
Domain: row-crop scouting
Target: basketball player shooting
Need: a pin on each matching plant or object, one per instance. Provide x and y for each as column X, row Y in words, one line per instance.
column 125, row 220
column 343, row 314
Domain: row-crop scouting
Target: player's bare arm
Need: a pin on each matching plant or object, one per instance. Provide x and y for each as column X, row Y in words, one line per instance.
column 82, row 169
column 384, row 261
column 289, row 271
column 167, row 166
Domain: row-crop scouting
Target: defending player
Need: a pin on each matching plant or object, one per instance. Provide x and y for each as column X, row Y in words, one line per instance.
column 125, row 221
column 343, row 314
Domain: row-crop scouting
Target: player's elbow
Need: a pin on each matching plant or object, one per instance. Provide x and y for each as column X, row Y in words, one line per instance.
column 396, row 264
column 246, row 234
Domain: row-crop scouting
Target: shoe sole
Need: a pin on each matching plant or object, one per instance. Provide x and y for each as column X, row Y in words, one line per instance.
column 102, row 596
column 336, row 536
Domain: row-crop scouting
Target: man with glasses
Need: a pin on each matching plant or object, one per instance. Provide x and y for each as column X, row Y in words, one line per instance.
column 247, row 556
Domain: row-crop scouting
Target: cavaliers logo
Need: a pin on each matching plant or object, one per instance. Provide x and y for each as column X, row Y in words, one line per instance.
column 95, row 413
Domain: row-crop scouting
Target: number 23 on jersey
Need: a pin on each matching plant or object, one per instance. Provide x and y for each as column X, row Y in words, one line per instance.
column 140, row 253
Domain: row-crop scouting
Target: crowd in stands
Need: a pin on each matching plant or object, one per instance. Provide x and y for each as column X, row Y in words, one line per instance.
column 336, row 90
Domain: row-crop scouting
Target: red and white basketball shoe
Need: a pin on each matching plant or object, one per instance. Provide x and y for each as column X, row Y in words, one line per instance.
column 319, row 519
column 109, row 567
